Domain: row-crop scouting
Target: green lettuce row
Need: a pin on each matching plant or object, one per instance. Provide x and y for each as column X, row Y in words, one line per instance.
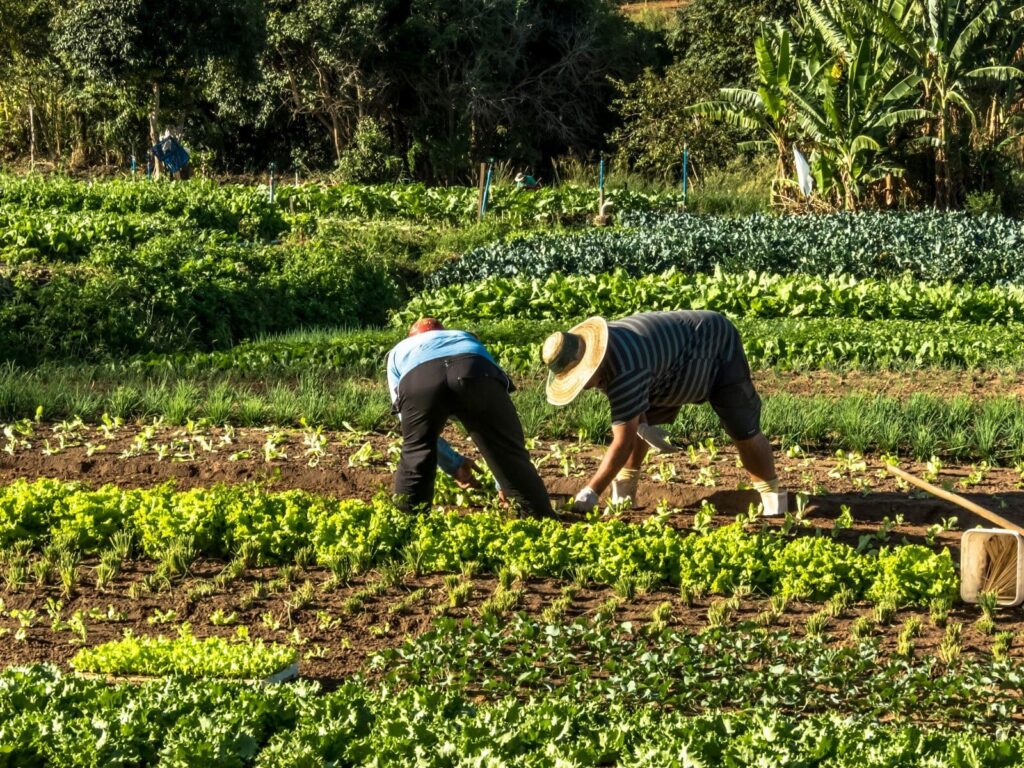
column 801, row 343
column 202, row 203
column 459, row 204
column 49, row 719
column 736, row 667
column 935, row 246
column 186, row 655
column 745, row 295
column 224, row 520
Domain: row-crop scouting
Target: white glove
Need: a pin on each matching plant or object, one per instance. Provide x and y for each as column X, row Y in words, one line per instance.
column 774, row 503
column 586, row 500
column 656, row 437
column 624, row 486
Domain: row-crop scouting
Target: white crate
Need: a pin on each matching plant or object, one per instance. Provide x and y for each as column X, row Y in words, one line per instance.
column 973, row 560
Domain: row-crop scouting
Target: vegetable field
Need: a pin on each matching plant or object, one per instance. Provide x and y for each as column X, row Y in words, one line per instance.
column 201, row 562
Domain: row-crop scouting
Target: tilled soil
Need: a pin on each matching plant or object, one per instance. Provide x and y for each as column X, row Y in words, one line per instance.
column 335, row 640
column 679, row 482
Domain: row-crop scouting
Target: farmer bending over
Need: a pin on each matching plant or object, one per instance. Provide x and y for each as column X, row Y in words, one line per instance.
column 649, row 365
column 435, row 374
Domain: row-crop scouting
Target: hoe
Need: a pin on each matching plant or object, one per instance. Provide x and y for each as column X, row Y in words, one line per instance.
column 991, row 559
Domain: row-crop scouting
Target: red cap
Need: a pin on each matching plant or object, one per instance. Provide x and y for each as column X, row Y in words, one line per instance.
column 425, row 324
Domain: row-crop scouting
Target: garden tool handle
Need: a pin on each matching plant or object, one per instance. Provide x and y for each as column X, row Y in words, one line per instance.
column 957, row 499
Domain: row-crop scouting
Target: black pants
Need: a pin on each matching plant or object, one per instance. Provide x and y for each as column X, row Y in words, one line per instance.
column 476, row 392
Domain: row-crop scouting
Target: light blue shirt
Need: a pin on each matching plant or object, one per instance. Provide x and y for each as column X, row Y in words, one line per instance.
column 423, row 348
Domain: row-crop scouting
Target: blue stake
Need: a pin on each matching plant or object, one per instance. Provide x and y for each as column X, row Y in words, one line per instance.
column 487, row 189
column 271, row 183
column 685, row 163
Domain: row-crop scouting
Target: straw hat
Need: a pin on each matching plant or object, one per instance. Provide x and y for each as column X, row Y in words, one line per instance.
column 572, row 358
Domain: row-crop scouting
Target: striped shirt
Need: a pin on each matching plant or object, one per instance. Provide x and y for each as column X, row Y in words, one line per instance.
column 657, row 359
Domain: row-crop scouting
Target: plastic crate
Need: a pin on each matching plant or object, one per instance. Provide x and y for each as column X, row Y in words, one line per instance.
column 973, row 560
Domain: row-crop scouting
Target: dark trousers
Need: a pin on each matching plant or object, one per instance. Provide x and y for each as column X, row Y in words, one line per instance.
column 476, row 392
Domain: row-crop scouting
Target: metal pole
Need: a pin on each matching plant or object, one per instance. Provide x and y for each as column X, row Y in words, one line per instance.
column 480, row 192
column 271, row 183
column 685, row 179
column 600, row 186
column 487, row 187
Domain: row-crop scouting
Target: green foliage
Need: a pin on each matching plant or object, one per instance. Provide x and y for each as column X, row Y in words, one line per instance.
column 931, row 246
column 726, row 558
column 914, row 575
column 816, row 568
column 225, row 520
column 567, row 297
column 186, row 656
column 369, row 159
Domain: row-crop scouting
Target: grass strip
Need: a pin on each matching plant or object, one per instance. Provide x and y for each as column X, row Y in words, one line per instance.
column 959, row 427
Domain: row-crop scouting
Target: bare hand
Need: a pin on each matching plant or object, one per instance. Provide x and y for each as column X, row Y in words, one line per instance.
column 465, row 477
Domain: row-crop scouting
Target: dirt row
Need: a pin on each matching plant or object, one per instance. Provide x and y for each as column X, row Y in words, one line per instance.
column 357, row 465
column 334, row 640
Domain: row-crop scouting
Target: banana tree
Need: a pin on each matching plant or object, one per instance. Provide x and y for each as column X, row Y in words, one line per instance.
column 953, row 46
column 766, row 112
column 855, row 97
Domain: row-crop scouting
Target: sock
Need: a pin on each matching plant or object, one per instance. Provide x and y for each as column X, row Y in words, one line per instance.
column 770, row 486
column 627, row 474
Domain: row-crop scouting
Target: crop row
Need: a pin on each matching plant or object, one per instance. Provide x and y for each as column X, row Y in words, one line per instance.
column 747, row 295
column 274, row 527
column 28, row 202
column 567, row 202
column 930, row 246
column 49, row 719
column 187, row 655
column 732, row 663
column 790, row 343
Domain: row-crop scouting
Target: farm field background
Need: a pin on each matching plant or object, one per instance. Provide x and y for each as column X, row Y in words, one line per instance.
column 196, row 437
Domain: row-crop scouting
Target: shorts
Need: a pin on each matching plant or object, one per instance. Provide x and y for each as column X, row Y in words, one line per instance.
column 732, row 397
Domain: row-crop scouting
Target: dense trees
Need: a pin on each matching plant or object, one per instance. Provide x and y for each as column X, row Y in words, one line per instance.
column 442, row 81
column 893, row 101
column 878, row 90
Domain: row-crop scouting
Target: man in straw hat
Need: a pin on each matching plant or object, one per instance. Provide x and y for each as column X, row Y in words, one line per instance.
column 649, row 365
column 435, row 374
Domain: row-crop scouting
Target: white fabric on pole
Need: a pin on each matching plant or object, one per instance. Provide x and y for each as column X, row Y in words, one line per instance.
column 803, row 173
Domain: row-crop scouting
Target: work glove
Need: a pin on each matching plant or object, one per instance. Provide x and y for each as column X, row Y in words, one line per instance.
column 656, row 437
column 624, row 486
column 774, row 503
column 586, row 501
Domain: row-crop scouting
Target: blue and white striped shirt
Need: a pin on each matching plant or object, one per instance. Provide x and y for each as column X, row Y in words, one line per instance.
column 657, row 359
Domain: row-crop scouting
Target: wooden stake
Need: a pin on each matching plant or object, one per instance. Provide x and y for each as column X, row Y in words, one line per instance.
column 954, row 498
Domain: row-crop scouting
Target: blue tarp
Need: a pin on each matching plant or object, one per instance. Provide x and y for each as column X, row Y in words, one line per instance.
column 170, row 152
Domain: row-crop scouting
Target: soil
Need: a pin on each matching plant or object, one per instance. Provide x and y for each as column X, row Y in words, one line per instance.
column 339, row 646
column 680, row 481
column 335, row 641
column 937, row 382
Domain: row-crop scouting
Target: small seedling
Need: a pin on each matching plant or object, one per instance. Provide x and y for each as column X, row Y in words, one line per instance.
column 1001, row 645
column 951, row 646
column 905, row 644
column 938, row 610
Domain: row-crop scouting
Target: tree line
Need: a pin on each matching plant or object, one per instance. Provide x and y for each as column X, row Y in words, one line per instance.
column 893, row 102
